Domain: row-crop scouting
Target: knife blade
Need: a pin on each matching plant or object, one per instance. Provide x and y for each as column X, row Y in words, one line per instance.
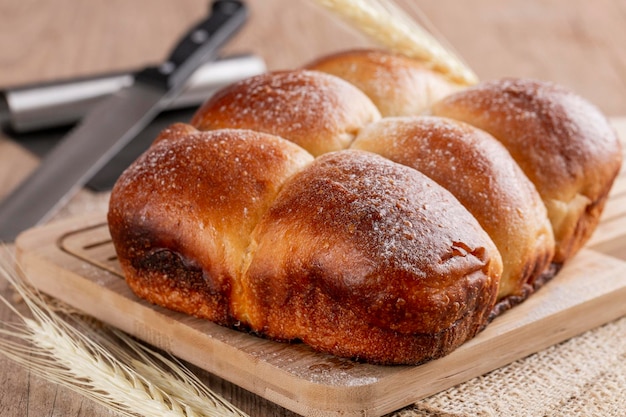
column 39, row 106
column 115, row 121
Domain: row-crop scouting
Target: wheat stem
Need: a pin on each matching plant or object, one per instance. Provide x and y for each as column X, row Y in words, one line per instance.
column 389, row 25
column 101, row 363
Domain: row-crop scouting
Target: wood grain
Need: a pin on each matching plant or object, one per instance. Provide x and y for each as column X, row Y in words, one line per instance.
column 577, row 43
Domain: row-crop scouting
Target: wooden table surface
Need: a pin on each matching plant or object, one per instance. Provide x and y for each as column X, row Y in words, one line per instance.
column 577, row 43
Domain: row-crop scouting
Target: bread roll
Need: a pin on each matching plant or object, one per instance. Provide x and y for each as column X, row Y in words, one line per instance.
column 181, row 216
column 480, row 172
column 563, row 144
column 398, row 85
column 365, row 258
column 317, row 111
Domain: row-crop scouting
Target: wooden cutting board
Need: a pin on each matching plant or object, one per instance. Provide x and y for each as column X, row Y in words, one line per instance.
column 74, row 261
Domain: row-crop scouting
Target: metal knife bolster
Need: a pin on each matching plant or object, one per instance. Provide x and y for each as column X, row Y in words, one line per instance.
column 112, row 124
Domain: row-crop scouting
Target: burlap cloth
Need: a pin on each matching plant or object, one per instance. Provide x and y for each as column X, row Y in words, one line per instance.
column 584, row 376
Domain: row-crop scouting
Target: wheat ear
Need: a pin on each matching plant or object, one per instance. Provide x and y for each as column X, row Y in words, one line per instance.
column 386, row 23
column 100, row 362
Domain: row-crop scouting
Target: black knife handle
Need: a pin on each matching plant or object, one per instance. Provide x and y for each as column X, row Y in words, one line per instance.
column 200, row 44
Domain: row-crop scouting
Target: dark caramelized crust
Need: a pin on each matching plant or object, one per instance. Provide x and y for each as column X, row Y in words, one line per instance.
column 563, row 144
column 398, row 85
column 181, row 216
column 480, row 172
column 357, row 242
column 317, row 111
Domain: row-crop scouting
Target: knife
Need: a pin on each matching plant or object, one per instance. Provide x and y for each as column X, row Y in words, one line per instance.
column 114, row 122
column 39, row 106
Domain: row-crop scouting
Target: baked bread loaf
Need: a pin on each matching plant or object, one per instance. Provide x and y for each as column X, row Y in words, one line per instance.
column 290, row 209
column 563, row 143
column 396, row 84
column 404, row 275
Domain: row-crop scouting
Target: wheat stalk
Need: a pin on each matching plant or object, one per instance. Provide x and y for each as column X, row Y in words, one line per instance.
column 100, row 362
column 389, row 25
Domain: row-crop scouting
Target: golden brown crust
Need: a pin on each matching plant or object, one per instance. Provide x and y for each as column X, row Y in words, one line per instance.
column 406, row 267
column 563, row 143
column 480, row 172
column 358, row 242
column 317, row 111
column 398, row 85
column 173, row 250
column 351, row 252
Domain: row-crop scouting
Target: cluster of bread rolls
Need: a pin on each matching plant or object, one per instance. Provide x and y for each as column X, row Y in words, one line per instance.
column 364, row 204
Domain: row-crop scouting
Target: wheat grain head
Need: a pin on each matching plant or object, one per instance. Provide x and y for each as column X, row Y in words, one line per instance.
column 101, row 363
column 386, row 23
